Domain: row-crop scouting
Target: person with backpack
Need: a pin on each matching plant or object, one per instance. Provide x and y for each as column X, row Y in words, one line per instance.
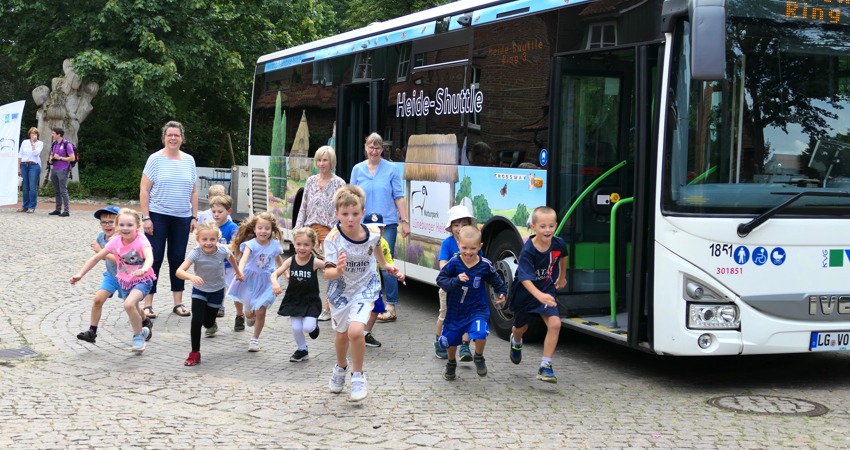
column 61, row 157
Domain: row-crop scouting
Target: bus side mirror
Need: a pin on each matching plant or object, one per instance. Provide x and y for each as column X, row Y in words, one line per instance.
column 708, row 39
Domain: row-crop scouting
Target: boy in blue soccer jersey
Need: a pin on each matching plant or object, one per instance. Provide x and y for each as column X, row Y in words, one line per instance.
column 541, row 271
column 463, row 279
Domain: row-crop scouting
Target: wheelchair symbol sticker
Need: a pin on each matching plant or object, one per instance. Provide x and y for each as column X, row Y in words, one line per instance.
column 759, row 256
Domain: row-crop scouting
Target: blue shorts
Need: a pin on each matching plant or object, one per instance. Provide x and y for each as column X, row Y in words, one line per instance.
column 213, row 299
column 143, row 287
column 109, row 284
column 478, row 330
column 526, row 304
column 379, row 306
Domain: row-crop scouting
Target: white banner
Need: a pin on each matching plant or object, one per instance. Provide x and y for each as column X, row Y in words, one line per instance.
column 10, row 131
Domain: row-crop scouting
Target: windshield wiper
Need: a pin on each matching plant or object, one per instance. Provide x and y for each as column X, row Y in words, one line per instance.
column 745, row 228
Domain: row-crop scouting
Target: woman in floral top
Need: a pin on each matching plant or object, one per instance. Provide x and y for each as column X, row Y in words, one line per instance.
column 317, row 206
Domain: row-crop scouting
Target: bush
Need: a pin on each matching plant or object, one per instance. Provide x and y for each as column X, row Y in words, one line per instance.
column 122, row 183
column 76, row 190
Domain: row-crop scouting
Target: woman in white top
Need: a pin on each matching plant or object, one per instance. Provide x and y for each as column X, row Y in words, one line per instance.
column 29, row 168
column 168, row 197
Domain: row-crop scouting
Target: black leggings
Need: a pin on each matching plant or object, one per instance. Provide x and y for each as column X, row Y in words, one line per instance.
column 202, row 316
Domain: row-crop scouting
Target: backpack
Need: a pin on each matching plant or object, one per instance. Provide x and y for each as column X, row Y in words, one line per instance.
column 76, row 155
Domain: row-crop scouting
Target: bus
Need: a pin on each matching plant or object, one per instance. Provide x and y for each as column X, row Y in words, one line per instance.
column 697, row 153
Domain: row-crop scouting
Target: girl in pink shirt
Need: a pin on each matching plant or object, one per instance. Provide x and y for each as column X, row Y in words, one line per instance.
column 134, row 258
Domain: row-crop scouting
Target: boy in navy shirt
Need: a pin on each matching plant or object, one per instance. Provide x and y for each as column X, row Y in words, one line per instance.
column 540, row 273
column 220, row 208
column 468, row 311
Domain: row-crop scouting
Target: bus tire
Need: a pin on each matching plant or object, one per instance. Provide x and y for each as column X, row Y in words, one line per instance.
column 505, row 256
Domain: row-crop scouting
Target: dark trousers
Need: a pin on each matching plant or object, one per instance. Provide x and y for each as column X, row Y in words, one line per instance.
column 171, row 232
column 202, row 316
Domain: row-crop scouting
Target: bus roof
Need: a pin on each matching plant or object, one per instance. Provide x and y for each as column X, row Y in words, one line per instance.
column 405, row 28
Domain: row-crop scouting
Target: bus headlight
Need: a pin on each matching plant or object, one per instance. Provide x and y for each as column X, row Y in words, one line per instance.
column 713, row 316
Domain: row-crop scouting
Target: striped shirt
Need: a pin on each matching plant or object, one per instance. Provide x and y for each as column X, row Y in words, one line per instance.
column 173, row 181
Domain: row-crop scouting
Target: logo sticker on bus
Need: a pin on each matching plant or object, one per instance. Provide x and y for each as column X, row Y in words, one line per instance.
column 834, row 257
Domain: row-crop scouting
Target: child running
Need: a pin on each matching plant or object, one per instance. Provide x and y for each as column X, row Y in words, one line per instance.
column 134, row 258
column 109, row 285
column 220, row 208
column 468, row 311
column 542, row 260
column 301, row 301
column 459, row 217
column 377, row 220
column 351, row 254
column 257, row 242
column 208, row 283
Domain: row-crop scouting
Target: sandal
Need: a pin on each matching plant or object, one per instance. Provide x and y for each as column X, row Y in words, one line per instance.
column 181, row 310
column 388, row 316
column 149, row 312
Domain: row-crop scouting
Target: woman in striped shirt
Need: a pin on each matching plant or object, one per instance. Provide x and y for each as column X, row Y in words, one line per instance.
column 169, row 200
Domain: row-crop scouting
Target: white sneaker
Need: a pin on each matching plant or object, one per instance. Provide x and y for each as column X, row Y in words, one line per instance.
column 358, row 388
column 337, row 379
column 211, row 331
column 324, row 316
column 254, row 345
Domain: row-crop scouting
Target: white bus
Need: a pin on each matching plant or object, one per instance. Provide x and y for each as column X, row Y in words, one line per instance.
column 697, row 151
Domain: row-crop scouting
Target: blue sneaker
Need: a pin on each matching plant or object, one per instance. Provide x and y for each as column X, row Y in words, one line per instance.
column 439, row 351
column 516, row 351
column 546, row 374
column 138, row 342
column 463, row 352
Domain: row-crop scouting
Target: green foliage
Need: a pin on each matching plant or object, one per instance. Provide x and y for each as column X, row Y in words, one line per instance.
column 481, row 208
column 121, row 182
column 465, row 190
column 520, row 217
column 76, row 191
column 363, row 12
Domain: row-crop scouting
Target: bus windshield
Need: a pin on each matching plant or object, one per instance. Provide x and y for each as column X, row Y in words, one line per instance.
column 776, row 126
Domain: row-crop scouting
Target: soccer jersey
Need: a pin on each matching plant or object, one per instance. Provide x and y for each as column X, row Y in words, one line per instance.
column 359, row 282
column 541, row 268
column 227, row 231
column 467, row 301
column 210, row 267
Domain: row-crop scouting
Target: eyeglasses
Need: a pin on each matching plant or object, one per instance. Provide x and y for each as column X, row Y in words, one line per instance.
column 173, row 135
column 374, row 148
column 105, row 223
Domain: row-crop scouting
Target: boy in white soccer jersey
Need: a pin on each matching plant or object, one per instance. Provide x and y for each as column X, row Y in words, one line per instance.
column 352, row 251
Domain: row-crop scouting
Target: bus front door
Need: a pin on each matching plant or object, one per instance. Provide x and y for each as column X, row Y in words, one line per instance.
column 359, row 112
column 594, row 99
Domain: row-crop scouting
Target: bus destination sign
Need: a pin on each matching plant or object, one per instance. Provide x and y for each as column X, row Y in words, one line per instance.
column 467, row 101
column 827, row 11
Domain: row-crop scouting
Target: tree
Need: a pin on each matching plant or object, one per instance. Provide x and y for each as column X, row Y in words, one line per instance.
column 520, row 217
column 465, row 190
column 481, row 208
column 363, row 12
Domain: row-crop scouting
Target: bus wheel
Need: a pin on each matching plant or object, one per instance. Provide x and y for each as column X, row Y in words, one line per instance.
column 504, row 257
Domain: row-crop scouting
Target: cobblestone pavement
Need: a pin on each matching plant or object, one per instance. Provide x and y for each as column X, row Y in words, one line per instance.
column 79, row 395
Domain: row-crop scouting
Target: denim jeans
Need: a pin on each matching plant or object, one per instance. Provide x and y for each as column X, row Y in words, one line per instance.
column 30, row 174
column 171, row 232
column 390, row 282
column 59, row 178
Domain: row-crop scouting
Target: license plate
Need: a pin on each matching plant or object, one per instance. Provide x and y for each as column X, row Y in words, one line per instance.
column 824, row 341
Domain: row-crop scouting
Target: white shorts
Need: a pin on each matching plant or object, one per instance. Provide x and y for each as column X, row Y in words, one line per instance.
column 442, row 313
column 229, row 275
column 352, row 312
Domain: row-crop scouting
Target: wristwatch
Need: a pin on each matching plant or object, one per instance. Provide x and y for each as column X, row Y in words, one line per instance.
column 405, row 221
column 144, row 218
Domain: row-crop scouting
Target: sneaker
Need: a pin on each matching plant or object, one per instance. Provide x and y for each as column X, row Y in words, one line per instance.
column 371, row 341
column 55, row 212
column 88, row 336
column 439, row 351
column 193, row 360
column 211, row 330
column 146, row 332
column 254, row 345
column 315, row 333
column 324, row 316
column 463, row 352
column 239, row 325
column 358, row 388
column 299, row 355
column 138, row 343
column 337, row 379
column 220, row 312
column 545, row 373
column 480, row 365
column 250, row 322
column 516, row 351
column 64, row 214
column 449, row 374
column 147, row 323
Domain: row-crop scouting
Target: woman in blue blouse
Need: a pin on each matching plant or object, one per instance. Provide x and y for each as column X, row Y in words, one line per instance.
column 381, row 181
